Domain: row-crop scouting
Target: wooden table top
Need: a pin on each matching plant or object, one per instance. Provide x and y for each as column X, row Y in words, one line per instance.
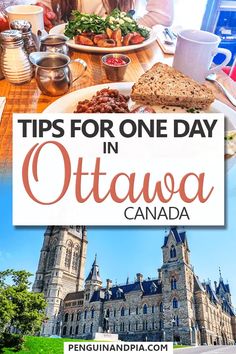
column 27, row 98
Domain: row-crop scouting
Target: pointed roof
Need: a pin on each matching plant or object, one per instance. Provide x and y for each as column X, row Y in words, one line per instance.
column 94, row 272
column 180, row 236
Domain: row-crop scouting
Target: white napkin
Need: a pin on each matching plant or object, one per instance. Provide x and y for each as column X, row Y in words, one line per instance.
column 2, row 104
column 166, row 48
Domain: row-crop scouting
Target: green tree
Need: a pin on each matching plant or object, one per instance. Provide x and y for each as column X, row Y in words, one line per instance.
column 19, row 307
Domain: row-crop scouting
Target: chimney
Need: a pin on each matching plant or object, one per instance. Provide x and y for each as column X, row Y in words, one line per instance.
column 159, row 273
column 139, row 277
column 109, row 283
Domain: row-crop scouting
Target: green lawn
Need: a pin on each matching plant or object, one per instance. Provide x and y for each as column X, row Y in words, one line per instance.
column 42, row 345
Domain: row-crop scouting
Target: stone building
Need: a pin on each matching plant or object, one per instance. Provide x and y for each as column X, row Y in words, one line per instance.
column 173, row 306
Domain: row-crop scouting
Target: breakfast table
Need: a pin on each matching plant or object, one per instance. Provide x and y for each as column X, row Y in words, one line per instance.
column 27, row 98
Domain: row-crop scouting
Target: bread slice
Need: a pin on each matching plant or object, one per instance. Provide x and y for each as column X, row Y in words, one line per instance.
column 164, row 85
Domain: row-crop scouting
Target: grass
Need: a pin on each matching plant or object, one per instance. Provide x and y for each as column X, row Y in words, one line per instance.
column 177, row 346
column 42, row 345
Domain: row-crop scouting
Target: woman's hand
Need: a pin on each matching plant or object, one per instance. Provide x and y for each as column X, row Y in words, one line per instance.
column 48, row 15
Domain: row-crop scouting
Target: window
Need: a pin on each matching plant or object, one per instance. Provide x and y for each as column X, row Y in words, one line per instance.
column 144, row 309
column 173, row 284
column 175, row 303
column 75, row 260
column 153, row 308
column 72, row 317
column 92, row 313
column 68, row 256
column 107, row 295
column 84, row 328
column 78, row 316
column 172, row 252
column 108, row 313
column 114, row 328
column 119, row 294
column 153, row 325
column 144, row 325
column 136, row 325
column 129, row 311
column 66, row 317
column 52, row 255
column 91, row 328
column 122, row 327
column 64, row 331
column 161, row 324
column 71, row 330
column 161, row 307
column 129, row 327
column 76, row 330
column 85, row 314
column 137, row 311
column 114, row 312
column 122, row 311
column 177, row 321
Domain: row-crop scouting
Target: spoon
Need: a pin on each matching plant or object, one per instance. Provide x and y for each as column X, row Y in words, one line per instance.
column 212, row 78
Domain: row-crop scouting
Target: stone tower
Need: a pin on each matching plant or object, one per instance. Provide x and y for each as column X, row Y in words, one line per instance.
column 179, row 319
column 93, row 281
column 60, row 269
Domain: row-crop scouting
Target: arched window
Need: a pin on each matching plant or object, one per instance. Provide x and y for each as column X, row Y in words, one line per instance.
column 122, row 311
column 173, row 284
column 76, row 330
column 72, row 317
column 137, row 310
column 92, row 313
column 64, row 331
column 144, row 309
column 129, row 327
column 161, row 307
column 71, row 330
column 91, row 328
column 108, row 313
column 136, row 325
column 85, row 314
column 119, row 294
column 153, row 308
column 68, row 254
column 122, row 327
column 172, row 252
column 84, row 328
column 78, row 315
column 75, row 260
column 66, row 317
column 114, row 313
column 175, row 303
column 52, row 254
column 161, row 324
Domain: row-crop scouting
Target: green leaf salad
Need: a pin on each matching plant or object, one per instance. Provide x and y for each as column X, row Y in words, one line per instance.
column 84, row 23
column 81, row 22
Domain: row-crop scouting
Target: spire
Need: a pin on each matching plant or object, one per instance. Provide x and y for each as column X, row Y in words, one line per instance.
column 94, row 272
column 127, row 280
column 221, row 279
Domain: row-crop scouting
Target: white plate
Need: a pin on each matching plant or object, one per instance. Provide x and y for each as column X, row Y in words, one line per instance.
column 68, row 103
column 86, row 48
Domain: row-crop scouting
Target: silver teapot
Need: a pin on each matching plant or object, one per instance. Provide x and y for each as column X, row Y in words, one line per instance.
column 53, row 74
column 55, row 43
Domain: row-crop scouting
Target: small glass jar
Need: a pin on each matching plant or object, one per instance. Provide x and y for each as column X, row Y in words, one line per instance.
column 25, row 28
column 16, row 66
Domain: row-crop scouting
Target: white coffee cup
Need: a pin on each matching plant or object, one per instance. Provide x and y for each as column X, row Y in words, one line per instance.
column 195, row 50
column 31, row 13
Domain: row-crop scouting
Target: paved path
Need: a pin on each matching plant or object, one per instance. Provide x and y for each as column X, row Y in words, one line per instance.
column 231, row 349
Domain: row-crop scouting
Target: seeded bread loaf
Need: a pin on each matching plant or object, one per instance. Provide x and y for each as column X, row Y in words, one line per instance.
column 163, row 85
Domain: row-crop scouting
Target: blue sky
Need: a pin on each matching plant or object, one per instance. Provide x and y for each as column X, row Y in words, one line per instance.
column 124, row 252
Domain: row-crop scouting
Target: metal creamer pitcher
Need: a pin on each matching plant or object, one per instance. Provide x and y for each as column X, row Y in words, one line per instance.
column 53, row 74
